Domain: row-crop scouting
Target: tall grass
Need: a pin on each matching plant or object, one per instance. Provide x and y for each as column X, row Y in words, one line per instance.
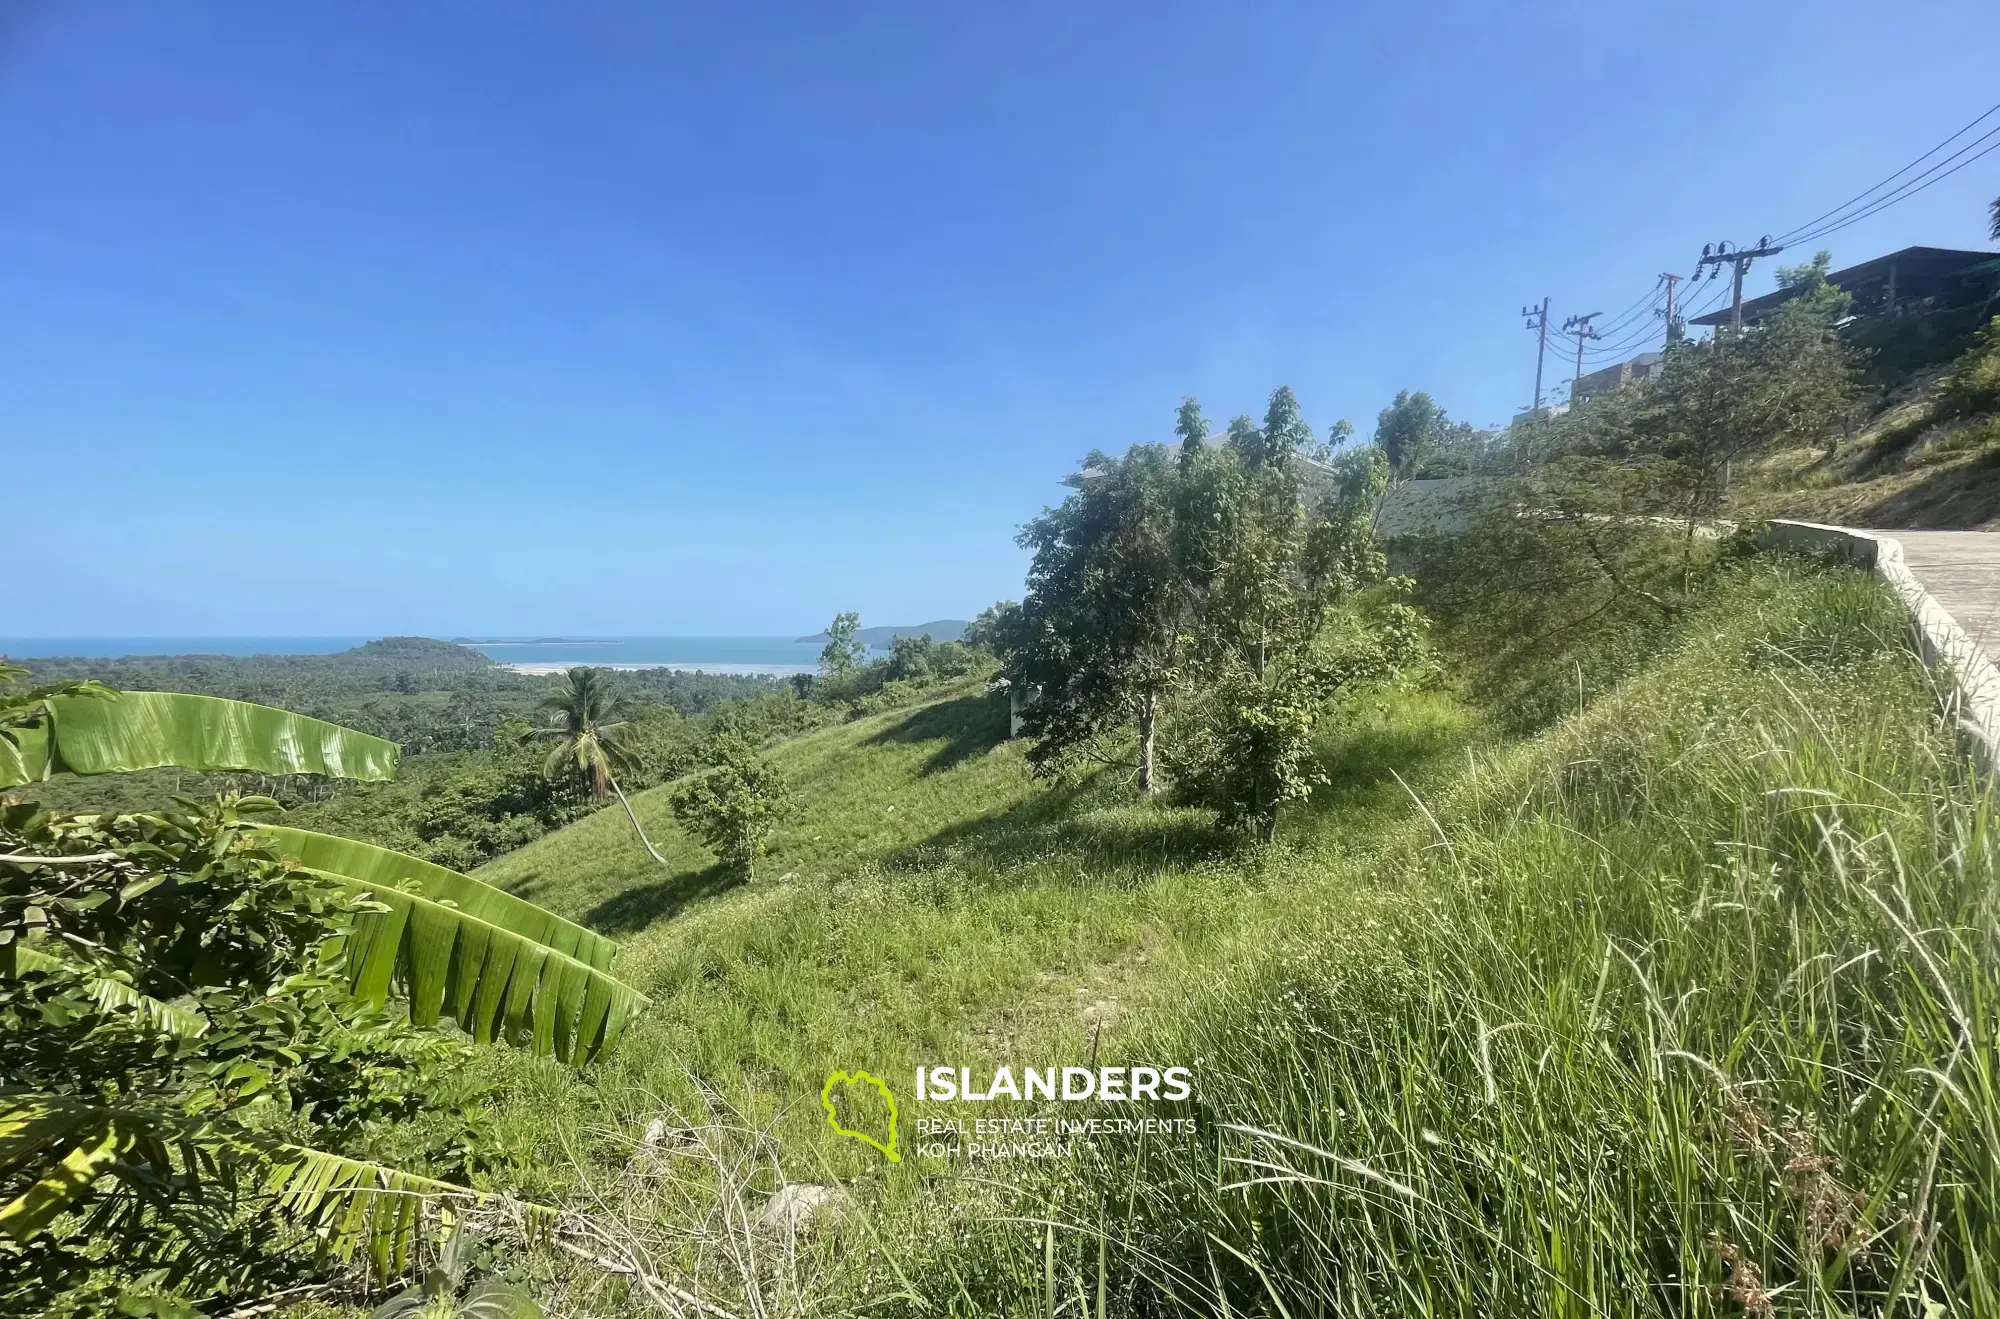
column 1687, row 1007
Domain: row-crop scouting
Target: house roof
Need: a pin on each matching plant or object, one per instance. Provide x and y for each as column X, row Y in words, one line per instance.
column 1910, row 262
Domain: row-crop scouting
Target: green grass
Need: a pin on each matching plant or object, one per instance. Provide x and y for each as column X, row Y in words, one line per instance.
column 1561, row 1044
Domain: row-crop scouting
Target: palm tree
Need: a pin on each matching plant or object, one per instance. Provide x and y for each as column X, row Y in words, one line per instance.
column 589, row 738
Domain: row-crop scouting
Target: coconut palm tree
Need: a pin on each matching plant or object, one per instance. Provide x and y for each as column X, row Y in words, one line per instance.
column 589, row 738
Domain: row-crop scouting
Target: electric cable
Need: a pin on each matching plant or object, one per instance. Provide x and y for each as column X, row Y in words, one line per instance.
column 1793, row 236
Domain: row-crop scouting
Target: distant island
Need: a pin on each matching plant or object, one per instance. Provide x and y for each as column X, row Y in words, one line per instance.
column 534, row 641
column 878, row 638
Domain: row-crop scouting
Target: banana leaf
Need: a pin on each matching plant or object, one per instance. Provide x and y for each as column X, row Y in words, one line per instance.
column 494, row 982
column 122, row 731
column 379, row 865
column 64, row 1146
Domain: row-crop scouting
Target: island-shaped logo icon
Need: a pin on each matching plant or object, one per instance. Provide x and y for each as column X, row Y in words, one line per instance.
column 859, row 1105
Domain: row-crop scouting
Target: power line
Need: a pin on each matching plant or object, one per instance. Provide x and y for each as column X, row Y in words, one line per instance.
column 1908, row 190
column 1794, row 236
column 1619, row 319
column 1711, row 302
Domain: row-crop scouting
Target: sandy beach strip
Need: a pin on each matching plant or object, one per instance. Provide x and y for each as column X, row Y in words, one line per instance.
column 543, row 668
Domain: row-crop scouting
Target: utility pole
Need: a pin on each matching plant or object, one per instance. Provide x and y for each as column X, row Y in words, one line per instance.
column 1673, row 326
column 1580, row 327
column 1538, row 321
column 1739, row 259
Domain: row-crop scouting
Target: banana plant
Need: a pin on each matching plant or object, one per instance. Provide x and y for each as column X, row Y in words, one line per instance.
column 498, row 965
column 501, row 967
column 86, row 728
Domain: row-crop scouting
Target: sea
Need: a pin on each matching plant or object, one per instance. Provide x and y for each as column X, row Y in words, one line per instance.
column 778, row 656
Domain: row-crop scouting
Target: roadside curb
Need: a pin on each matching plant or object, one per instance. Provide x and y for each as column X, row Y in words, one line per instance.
column 1942, row 642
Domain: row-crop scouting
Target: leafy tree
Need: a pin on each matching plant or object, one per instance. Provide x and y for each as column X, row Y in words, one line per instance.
column 589, row 738
column 1273, row 570
column 1192, row 428
column 918, row 658
column 1993, row 211
column 994, row 629
column 733, row 804
column 1420, row 440
column 1205, row 579
column 843, row 652
column 1244, row 553
column 1245, row 743
column 1100, row 631
column 1722, row 400
column 1612, row 511
column 1407, row 430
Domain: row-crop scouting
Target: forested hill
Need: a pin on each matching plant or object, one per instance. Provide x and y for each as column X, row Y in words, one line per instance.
column 375, row 665
column 471, row 783
column 428, row 695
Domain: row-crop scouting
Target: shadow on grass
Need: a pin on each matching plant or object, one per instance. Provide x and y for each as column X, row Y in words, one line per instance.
column 966, row 727
column 1093, row 821
column 633, row 909
column 1363, row 759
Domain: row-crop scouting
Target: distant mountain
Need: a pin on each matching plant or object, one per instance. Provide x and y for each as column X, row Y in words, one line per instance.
column 943, row 629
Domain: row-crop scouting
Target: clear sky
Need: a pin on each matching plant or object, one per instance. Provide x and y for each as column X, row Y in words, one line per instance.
column 656, row 318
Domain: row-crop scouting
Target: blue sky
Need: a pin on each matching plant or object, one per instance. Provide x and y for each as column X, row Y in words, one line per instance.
column 649, row 319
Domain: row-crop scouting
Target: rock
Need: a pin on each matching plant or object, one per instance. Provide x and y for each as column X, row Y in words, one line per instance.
column 793, row 1206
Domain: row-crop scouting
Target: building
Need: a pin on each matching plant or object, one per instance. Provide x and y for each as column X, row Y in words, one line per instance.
column 1914, row 278
column 1643, row 367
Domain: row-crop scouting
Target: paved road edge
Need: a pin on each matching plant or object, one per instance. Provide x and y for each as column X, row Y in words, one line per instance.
column 1942, row 642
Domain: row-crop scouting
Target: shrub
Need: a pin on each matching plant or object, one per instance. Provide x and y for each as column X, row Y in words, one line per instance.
column 732, row 805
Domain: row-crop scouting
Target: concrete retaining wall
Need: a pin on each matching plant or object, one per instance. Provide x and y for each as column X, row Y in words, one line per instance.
column 1943, row 643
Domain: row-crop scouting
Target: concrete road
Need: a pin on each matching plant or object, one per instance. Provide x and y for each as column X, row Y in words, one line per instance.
column 1961, row 569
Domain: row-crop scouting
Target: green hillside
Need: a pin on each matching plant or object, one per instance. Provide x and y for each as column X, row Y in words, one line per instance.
column 932, row 903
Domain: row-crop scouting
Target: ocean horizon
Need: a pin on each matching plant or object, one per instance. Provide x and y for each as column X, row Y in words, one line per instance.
column 775, row 656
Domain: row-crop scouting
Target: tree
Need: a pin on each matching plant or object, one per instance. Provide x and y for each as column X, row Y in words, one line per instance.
column 1100, row 629
column 190, row 996
column 843, row 652
column 1245, row 744
column 589, row 739
column 1407, row 430
column 733, row 804
column 1245, row 549
column 1192, row 428
column 994, row 629
column 1274, row 572
column 917, row 657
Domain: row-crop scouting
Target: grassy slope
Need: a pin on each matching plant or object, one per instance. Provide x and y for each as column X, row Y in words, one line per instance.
column 935, row 905
column 1673, row 983
column 942, row 909
column 1904, row 468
